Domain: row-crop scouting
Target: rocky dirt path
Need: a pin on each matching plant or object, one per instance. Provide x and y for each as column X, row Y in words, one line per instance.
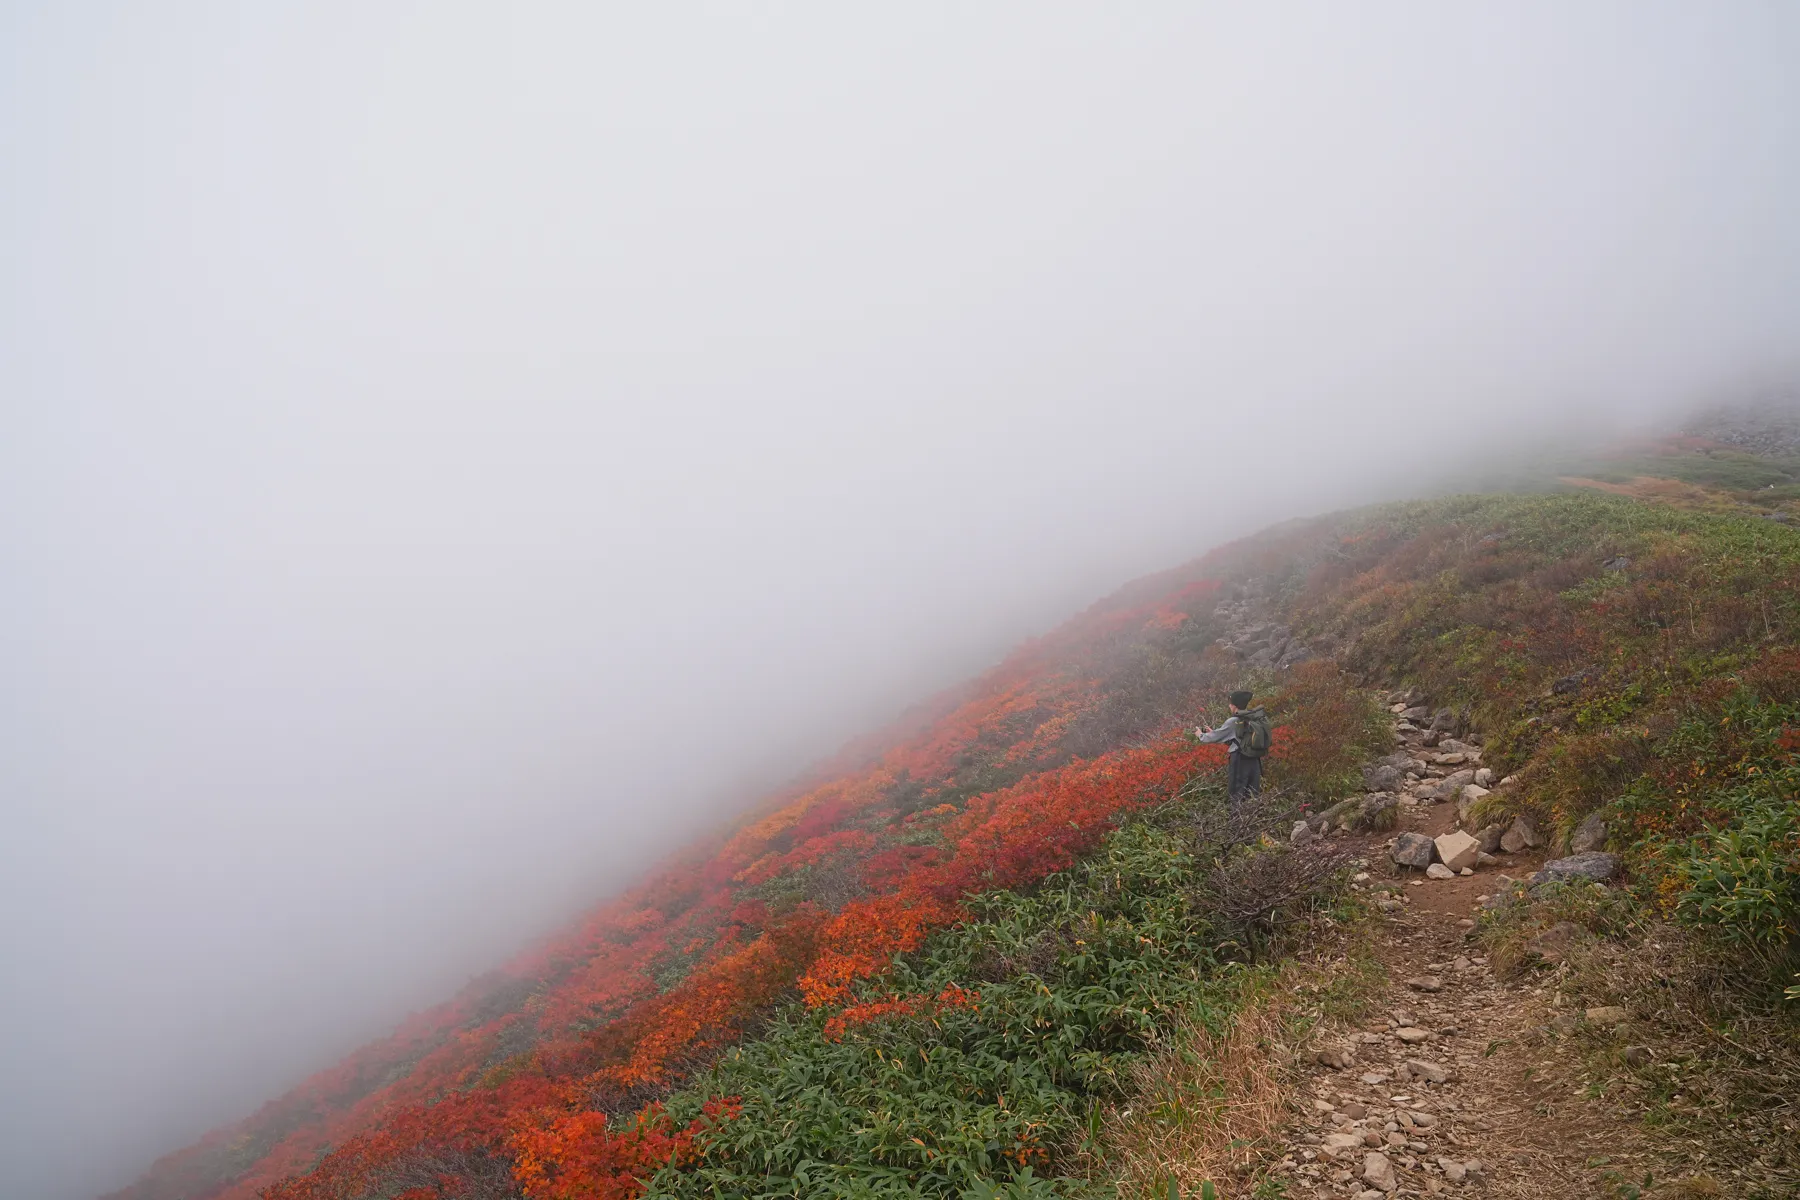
column 1458, row 1082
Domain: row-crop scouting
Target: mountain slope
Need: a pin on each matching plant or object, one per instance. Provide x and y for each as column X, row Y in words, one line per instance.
column 1594, row 642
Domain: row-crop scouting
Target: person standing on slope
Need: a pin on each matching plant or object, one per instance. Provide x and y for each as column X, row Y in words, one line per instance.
column 1246, row 730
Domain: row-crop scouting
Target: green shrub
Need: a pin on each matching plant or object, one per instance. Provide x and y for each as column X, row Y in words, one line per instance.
column 1742, row 881
column 1076, row 980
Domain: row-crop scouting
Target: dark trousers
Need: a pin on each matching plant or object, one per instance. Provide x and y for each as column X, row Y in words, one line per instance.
column 1245, row 776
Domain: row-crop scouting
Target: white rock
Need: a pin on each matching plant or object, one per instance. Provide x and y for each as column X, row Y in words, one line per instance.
column 1439, row 871
column 1457, row 849
column 1378, row 1172
column 1424, row 1069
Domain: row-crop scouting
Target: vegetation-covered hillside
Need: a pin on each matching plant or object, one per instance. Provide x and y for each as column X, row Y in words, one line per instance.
column 936, row 973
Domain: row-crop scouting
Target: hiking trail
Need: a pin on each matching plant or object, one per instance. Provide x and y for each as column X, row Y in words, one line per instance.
column 1457, row 1082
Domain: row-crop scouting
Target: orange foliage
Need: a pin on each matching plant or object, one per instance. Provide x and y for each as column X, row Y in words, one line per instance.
column 425, row 1111
column 575, row 1156
column 863, row 939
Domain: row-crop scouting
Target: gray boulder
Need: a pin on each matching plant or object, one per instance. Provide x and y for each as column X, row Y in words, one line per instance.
column 1488, row 838
column 1337, row 815
column 1380, row 812
column 1450, row 786
column 1414, row 850
column 1594, row 866
column 1522, row 834
column 1589, row 835
column 1383, row 777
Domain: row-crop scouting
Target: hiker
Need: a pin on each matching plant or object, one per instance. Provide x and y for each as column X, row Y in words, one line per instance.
column 1247, row 731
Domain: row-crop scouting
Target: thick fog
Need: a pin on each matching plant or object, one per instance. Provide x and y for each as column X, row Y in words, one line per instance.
column 452, row 453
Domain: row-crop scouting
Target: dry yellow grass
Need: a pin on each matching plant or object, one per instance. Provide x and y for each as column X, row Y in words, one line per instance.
column 1212, row 1107
column 1206, row 1108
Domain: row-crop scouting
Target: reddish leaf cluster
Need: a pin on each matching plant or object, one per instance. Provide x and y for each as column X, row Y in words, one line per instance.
column 899, row 1006
column 576, row 1156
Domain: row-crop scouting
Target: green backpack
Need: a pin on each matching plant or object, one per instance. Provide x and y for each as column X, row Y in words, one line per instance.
column 1252, row 733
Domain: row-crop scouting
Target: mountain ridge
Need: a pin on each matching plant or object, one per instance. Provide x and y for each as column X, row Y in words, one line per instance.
column 813, row 894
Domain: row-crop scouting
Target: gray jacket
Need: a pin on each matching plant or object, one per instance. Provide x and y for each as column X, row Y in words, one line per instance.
column 1227, row 732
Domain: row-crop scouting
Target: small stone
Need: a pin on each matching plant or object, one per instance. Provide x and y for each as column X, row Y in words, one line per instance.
column 1424, row 1069
column 1439, row 871
column 1461, row 963
column 1337, row 1142
column 1412, row 1034
column 1423, row 1120
column 1371, row 1138
column 1637, row 1056
column 1454, row 1171
column 1322, row 1106
column 1466, row 871
column 1355, row 1112
column 1425, row 983
column 1465, row 923
column 1487, row 838
column 1610, row 1014
column 1484, row 777
column 1378, row 1172
column 1373, row 1079
column 1484, row 859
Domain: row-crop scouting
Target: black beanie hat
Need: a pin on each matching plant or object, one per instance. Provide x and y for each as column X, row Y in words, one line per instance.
column 1241, row 699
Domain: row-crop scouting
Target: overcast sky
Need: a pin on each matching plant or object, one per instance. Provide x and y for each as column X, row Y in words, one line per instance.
column 450, row 450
